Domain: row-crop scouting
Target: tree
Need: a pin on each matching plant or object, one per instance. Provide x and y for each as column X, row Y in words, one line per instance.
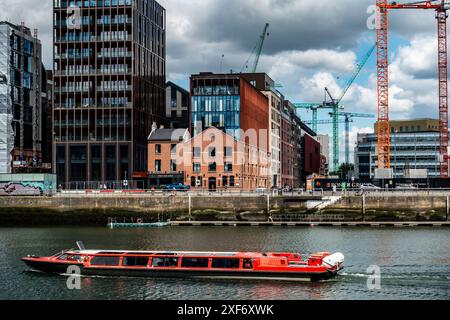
column 345, row 169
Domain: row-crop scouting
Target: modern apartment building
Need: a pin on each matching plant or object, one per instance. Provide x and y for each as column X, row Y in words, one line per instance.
column 177, row 106
column 22, row 86
column 414, row 146
column 109, row 87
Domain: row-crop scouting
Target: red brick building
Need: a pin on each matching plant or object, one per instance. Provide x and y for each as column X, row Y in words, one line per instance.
column 212, row 160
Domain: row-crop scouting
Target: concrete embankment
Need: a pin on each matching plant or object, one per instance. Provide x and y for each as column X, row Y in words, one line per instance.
column 95, row 209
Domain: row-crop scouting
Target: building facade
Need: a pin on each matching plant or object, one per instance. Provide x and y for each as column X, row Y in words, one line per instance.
column 212, row 160
column 177, row 106
column 311, row 157
column 109, row 87
column 288, row 144
column 414, row 146
column 266, row 85
column 230, row 103
column 163, row 169
column 22, row 76
column 324, row 141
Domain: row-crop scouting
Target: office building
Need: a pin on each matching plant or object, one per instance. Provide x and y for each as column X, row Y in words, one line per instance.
column 109, row 88
column 230, row 103
column 22, row 80
column 414, row 148
column 177, row 106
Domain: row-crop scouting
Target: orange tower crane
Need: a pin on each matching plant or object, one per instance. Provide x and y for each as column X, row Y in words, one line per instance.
column 441, row 7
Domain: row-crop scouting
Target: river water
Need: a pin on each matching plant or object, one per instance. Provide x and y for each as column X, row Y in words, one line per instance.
column 414, row 263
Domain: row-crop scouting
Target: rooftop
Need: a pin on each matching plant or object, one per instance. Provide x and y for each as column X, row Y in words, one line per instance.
column 172, row 135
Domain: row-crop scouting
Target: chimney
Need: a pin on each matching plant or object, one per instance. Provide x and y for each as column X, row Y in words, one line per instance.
column 161, row 126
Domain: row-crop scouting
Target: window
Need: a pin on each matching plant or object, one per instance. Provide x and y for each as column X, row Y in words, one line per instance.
column 193, row 182
column 165, row 262
column 105, row 261
column 197, row 167
column 212, row 152
column 157, row 148
column 212, row 167
column 225, row 181
column 173, row 165
column 158, row 165
column 232, row 181
column 228, row 151
column 228, row 167
column 248, row 264
column 197, row 152
column 194, row 263
column 135, row 261
column 225, row 263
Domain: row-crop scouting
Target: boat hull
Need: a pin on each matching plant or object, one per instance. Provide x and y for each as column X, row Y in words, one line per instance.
column 62, row 268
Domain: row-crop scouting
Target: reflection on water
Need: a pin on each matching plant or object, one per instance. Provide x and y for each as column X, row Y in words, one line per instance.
column 415, row 263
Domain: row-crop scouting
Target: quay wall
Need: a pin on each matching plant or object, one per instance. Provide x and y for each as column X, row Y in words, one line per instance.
column 95, row 210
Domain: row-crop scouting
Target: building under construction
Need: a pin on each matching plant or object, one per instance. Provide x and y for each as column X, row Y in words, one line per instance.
column 21, row 100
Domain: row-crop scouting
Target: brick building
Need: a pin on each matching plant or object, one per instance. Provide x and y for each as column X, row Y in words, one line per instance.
column 162, row 166
column 212, row 160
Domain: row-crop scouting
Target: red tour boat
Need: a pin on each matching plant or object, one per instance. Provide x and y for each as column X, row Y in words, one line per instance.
column 206, row 265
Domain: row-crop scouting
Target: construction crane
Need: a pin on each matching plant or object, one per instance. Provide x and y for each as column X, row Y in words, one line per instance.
column 257, row 50
column 441, row 8
column 323, row 122
column 348, row 119
column 335, row 105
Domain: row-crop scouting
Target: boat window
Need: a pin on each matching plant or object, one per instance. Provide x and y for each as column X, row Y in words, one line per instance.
column 105, row 261
column 248, row 264
column 62, row 257
column 194, row 263
column 165, row 262
column 74, row 258
column 225, row 263
column 135, row 261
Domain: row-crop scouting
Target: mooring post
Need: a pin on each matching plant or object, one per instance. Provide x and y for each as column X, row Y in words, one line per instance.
column 448, row 209
column 364, row 207
column 190, row 206
column 268, row 207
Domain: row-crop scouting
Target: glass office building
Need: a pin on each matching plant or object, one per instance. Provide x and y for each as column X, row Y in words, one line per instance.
column 409, row 150
column 109, row 87
column 229, row 103
column 216, row 103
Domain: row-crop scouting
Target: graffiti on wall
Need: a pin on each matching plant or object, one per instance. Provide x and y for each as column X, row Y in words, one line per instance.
column 20, row 189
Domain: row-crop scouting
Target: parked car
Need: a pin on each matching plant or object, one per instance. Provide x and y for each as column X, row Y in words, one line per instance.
column 369, row 186
column 406, row 187
column 176, row 187
column 261, row 190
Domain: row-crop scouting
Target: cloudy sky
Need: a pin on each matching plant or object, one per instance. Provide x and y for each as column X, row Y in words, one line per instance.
column 312, row 44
